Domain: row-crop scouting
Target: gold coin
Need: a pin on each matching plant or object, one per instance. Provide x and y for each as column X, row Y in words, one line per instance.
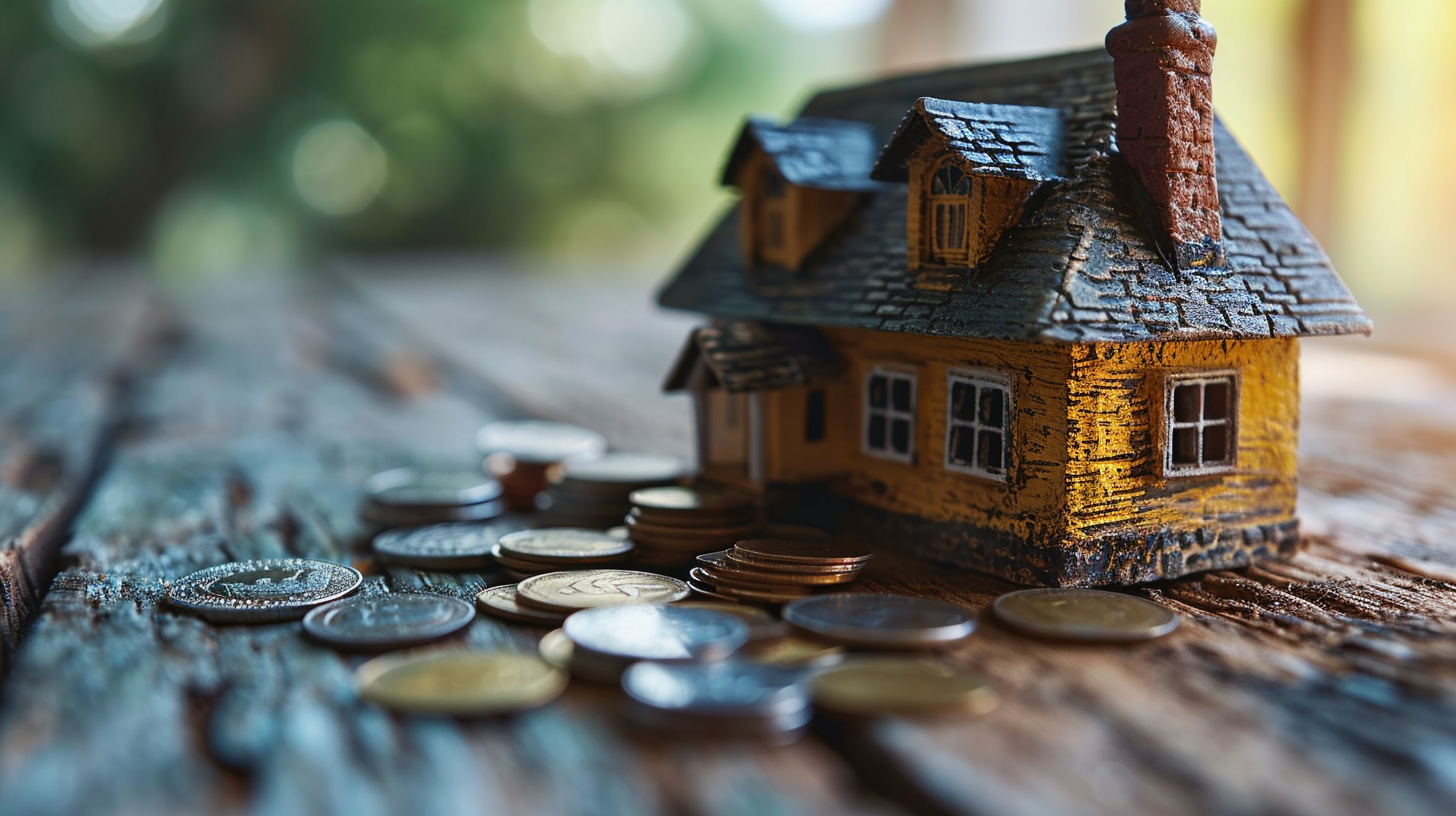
column 792, row 650
column 586, row 589
column 901, row 686
column 460, row 683
column 1090, row 615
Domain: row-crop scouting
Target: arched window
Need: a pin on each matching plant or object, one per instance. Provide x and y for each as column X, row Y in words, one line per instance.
column 947, row 203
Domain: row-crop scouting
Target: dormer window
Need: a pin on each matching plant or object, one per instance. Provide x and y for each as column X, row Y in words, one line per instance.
column 946, row 206
column 799, row 182
column 972, row 171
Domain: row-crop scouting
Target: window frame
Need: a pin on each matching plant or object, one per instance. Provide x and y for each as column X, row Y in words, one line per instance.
column 931, row 223
column 980, row 377
column 891, row 373
column 1171, row 382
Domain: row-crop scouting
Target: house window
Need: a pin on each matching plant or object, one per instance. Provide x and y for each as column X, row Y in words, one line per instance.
column 773, row 208
column 814, row 416
column 1201, row 432
column 890, row 414
column 978, row 424
column 947, row 203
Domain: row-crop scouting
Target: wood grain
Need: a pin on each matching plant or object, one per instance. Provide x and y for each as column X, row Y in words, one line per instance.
column 1325, row 684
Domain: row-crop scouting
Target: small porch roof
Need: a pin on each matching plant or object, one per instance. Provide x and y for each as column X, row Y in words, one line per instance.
column 747, row 355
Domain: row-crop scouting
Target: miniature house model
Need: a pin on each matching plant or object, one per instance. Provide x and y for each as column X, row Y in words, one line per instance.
column 1049, row 330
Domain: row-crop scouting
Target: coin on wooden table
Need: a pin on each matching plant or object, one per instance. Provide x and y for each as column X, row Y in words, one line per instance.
column 500, row 601
column 566, row 545
column 387, row 621
column 556, row 648
column 803, row 551
column 626, row 468
column 442, row 546
column 655, row 632
column 1089, row 615
column 733, row 582
column 585, row 589
column 413, row 487
column 717, row 564
column 260, row 591
column 881, row 621
column 733, row 557
column 717, row 700
column 539, row 442
column 705, row 584
column 693, row 502
column 870, row 686
column 460, row 683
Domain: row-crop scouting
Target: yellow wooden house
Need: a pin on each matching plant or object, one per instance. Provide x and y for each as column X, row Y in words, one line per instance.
column 990, row 336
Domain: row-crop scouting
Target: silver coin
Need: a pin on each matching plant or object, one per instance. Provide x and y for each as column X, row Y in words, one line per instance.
column 500, row 601
column 258, row 591
column 442, row 546
column 627, row 469
column 539, row 442
column 390, row 621
column 724, row 689
column 564, row 545
column 389, row 517
column 655, row 632
column 412, row 488
column 881, row 621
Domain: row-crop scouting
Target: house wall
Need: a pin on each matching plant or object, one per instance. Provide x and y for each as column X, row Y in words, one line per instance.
column 1115, row 483
column 1028, row 504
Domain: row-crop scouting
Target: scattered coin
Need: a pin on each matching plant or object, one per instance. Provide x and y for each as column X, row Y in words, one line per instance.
column 655, row 632
column 1089, row 615
column 412, row 487
column 792, row 651
column 260, row 591
column 460, row 683
column 757, row 619
column 500, row 601
column 871, row 686
column 718, row 700
column 441, row 546
column 584, row 589
column 388, row 621
column 558, row 650
column 564, row 545
column 540, row 442
column 881, row 621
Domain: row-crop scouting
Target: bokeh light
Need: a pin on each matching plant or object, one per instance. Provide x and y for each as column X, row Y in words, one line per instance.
column 338, row 168
column 828, row 14
column 99, row 23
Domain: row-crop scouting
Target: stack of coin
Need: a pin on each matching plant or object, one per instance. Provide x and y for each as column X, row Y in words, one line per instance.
column 729, row 700
column 594, row 493
column 599, row 644
column 522, row 455
column 671, row 525
column 551, row 549
column 776, row 570
column 408, row 497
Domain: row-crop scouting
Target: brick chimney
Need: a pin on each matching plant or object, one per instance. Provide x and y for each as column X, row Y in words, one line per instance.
column 1162, row 59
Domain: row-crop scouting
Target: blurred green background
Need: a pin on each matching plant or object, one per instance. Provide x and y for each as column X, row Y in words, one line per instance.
column 242, row 135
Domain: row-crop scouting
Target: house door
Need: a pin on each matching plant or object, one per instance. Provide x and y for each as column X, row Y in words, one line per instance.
column 730, row 433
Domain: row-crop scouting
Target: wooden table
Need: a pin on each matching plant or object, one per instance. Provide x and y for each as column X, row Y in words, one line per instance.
column 145, row 434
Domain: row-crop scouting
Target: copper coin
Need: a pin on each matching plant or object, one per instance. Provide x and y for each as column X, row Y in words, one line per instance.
column 744, row 593
column 803, row 551
column 1088, row 615
column 744, row 561
column 717, row 563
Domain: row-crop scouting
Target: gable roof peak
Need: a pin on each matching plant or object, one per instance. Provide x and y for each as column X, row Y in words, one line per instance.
column 811, row 151
column 1021, row 141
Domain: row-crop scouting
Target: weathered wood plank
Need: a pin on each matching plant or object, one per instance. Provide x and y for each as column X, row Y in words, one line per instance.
column 251, row 440
column 66, row 353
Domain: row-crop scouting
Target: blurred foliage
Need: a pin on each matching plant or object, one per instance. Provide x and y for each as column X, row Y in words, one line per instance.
column 257, row 132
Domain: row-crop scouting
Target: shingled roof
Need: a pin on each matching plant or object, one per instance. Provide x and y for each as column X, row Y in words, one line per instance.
column 815, row 152
column 1078, row 268
column 744, row 355
column 1023, row 141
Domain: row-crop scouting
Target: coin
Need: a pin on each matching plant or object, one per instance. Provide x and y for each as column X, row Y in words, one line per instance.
column 722, row 582
column 1090, row 615
column 389, row 517
column 755, row 618
column 539, row 442
column 564, row 545
column 500, row 601
column 655, row 632
column 390, row 621
column 692, row 500
column 556, row 648
column 706, row 585
column 802, row 551
column 737, row 559
column 441, row 546
column 626, row 468
column 412, row 487
column 882, row 621
column 460, row 683
column 584, row 589
column 718, row 565
column 901, row 686
column 725, row 689
column 791, row 650
column 258, row 591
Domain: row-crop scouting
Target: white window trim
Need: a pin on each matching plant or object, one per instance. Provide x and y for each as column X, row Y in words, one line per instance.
column 1170, row 384
column 979, row 377
column 891, row 373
